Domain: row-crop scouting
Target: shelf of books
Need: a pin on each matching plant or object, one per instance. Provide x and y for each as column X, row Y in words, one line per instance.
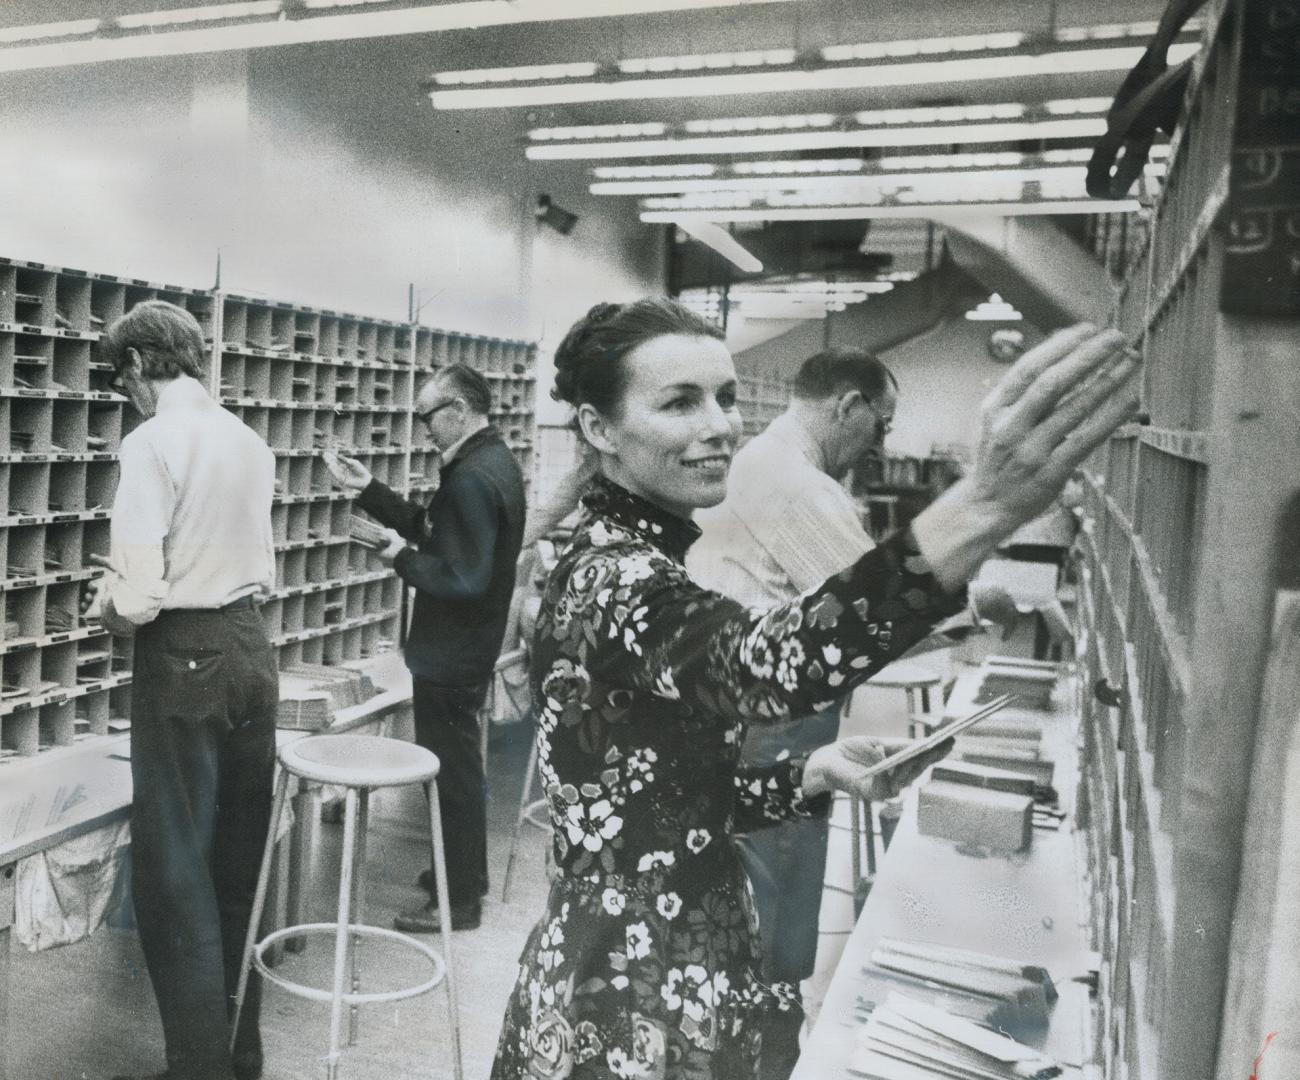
column 305, row 379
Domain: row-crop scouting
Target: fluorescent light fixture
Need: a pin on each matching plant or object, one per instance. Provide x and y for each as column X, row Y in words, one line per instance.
column 851, row 187
column 44, row 31
column 1071, row 106
column 653, row 172
column 1111, row 31
column 994, row 309
column 851, row 77
column 527, row 73
column 974, row 160
column 327, row 20
column 941, row 114
column 709, row 61
column 723, row 243
column 867, row 213
column 791, row 141
column 732, row 125
column 207, row 13
column 802, row 167
column 724, row 125
column 955, row 188
column 600, row 131
column 819, row 287
column 883, row 50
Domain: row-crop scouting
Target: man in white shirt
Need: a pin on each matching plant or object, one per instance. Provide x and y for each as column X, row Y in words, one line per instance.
column 191, row 549
column 786, row 525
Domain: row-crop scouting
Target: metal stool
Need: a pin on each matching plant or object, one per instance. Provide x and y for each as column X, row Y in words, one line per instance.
column 858, row 810
column 357, row 763
column 916, row 681
column 534, row 812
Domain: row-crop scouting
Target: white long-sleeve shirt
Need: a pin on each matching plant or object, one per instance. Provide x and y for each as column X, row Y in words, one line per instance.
column 784, row 526
column 191, row 521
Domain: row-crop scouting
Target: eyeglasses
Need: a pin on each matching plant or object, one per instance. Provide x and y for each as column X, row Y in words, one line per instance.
column 886, row 421
column 428, row 415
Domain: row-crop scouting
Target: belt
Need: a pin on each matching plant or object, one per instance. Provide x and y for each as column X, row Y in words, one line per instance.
column 238, row 605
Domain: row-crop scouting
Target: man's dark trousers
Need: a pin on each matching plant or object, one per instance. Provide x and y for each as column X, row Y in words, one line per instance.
column 203, row 706
column 446, row 722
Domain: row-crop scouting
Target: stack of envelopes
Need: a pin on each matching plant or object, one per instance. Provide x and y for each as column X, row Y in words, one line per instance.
column 906, row 1039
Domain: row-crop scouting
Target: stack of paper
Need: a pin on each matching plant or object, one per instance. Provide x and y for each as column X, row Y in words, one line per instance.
column 302, row 707
column 368, row 533
column 1026, row 986
column 906, row 1039
column 310, row 694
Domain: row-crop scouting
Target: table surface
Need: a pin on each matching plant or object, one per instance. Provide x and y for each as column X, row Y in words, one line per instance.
column 71, row 790
column 1023, row 906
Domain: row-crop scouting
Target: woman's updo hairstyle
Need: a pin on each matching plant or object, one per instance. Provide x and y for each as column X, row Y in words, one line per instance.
column 589, row 368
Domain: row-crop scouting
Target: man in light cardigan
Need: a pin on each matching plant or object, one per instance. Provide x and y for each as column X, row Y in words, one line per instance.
column 786, row 525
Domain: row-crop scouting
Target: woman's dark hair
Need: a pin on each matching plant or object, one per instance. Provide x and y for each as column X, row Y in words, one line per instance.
column 589, row 366
column 168, row 338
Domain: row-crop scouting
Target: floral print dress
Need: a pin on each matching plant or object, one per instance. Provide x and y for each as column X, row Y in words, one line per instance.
column 645, row 964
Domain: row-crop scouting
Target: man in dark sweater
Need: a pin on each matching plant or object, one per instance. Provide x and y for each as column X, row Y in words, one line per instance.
column 459, row 554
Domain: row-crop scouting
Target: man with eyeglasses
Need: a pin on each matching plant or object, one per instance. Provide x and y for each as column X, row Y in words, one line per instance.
column 458, row 552
column 786, row 524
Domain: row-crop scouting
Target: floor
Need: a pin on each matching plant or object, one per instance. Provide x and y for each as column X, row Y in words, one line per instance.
column 86, row 1011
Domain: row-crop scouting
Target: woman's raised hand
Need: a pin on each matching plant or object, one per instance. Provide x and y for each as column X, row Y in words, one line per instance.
column 1056, row 405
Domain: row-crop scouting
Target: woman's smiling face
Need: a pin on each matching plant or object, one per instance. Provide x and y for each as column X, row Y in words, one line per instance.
column 676, row 426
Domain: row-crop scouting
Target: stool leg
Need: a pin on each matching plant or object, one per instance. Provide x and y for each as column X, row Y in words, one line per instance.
column 913, row 724
column 870, row 830
column 341, row 933
column 855, row 854
column 525, row 797
column 444, row 919
column 259, row 898
column 358, row 906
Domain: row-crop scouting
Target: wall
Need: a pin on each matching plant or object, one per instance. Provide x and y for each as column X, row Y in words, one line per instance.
column 321, row 174
column 943, row 374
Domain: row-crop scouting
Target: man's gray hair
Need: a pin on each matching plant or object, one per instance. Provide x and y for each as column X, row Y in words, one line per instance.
column 168, row 339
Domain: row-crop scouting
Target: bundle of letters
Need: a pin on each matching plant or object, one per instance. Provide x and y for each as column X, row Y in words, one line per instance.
column 367, row 533
column 1000, row 986
column 906, row 1039
column 311, row 693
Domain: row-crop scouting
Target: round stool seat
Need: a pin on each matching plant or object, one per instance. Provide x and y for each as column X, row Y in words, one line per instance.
column 368, row 761
column 906, row 675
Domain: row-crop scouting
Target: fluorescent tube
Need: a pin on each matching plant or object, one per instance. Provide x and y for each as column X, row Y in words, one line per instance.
column 854, row 77
column 722, row 242
column 1004, row 131
column 866, row 213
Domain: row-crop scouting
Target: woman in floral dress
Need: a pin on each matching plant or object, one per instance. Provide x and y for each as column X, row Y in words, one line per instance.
column 644, row 963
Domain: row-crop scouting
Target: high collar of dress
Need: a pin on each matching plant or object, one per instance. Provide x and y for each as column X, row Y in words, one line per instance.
column 657, row 526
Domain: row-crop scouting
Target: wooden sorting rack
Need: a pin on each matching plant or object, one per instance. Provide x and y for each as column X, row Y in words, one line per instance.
column 303, row 378
column 1180, row 515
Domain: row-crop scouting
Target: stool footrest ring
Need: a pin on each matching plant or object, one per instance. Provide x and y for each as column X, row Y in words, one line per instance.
column 316, row 994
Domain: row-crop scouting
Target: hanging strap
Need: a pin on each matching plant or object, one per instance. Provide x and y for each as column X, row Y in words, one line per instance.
column 1149, row 100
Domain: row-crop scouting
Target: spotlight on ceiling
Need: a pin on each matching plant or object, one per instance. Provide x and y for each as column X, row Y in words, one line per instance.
column 559, row 219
